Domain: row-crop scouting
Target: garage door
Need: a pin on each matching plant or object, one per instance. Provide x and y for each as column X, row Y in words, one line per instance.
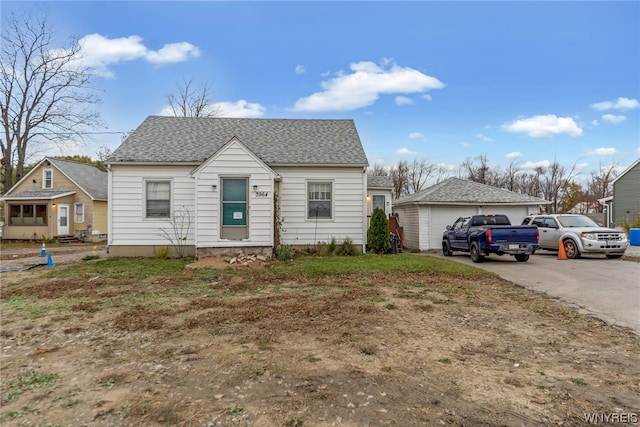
column 441, row 216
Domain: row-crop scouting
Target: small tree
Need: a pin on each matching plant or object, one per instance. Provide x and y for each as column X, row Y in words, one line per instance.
column 378, row 233
column 177, row 235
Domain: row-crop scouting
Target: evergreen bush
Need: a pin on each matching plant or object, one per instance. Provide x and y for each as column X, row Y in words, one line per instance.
column 378, row 237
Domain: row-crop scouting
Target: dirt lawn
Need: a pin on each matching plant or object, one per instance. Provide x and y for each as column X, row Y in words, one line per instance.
column 216, row 345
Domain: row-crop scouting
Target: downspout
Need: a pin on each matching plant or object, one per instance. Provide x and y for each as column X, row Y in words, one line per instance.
column 195, row 216
column 109, row 206
column 364, row 210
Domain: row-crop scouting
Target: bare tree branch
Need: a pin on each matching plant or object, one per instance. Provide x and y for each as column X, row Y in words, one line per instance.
column 45, row 93
column 192, row 101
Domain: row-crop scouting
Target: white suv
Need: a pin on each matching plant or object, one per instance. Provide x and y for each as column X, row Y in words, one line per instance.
column 579, row 234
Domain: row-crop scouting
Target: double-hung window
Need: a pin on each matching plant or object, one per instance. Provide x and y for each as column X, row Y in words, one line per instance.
column 78, row 208
column 378, row 202
column 319, row 200
column 158, row 199
column 47, row 179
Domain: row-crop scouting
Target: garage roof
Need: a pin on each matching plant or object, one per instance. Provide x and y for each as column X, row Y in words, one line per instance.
column 462, row 191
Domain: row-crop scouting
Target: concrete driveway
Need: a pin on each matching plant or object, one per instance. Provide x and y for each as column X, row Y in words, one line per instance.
column 607, row 289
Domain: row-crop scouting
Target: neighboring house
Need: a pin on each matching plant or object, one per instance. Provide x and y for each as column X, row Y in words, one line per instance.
column 57, row 198
column 585, row 208
column 226, row 184
column 623, row 207
column 425, row 214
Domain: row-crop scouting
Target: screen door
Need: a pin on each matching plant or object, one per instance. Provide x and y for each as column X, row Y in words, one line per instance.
column 234, row 208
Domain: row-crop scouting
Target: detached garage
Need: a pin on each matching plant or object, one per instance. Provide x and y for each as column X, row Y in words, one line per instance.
column 424, row 215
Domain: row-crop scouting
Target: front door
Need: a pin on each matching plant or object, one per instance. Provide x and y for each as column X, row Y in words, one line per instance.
column 63, row 219
column 234, row 208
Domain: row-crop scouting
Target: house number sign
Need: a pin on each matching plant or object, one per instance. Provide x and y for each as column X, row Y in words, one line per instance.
column 262, row 194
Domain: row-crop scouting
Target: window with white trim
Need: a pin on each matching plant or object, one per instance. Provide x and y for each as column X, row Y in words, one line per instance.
column 319, row 200
column 47, row 178
column 158, row 199
column 78, row 209
column 378, row 202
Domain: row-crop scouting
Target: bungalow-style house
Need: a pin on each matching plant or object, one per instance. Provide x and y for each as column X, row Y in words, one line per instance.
column 425, row 214
column 57, row 198
column 211, row 185
column 623, row 207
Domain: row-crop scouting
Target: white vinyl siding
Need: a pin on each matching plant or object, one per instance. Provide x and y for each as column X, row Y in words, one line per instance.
column 234, row 161
column 348, row 199
column 127, row 203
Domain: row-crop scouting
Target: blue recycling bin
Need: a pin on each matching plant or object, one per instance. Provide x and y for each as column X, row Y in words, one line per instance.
column 634, row 237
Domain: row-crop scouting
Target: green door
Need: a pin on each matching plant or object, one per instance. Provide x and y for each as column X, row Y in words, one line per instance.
column 234, row 208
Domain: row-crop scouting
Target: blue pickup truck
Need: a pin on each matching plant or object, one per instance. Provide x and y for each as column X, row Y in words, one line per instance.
column 481, row 235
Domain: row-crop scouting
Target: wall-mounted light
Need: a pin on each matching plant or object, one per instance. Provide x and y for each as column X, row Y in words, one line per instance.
column 213, row 187
column 34, row 181
column 54, row 205
column 368, row 198
column 255, row 188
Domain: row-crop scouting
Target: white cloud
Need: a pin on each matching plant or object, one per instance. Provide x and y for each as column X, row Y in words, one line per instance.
column 405, row 150
column 416, row 135
column 301, row 69
column 544, row 126
column 638, row 150
column 403, row 100
column 603, row 151
column 426, row 96
column 612, row 118
column 595, row 123
column 622, row 104
column 582, row 166
column 364, row 85
column 514, row 155
column 465, row 144
column 533, row 165
column 99, row 52
column 238, row 109
column 483, row 137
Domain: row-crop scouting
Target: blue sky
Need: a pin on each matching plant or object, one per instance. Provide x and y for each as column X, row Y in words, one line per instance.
column 525, row 82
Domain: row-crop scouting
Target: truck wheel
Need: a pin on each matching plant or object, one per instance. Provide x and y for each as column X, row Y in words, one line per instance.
column 571, row 249
column 446, row 249
column 522, row 257
column 474, row 251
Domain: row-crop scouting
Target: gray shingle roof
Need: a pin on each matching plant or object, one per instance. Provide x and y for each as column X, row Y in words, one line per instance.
column 39, row 194
column 379, row 182
column 463, row 191
column 89, row 178
column 274, row 141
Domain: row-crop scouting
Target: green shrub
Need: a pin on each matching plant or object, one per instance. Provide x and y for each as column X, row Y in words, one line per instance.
column 346, row 248
column 331, row 248
column 283, row 252
column 378, row 233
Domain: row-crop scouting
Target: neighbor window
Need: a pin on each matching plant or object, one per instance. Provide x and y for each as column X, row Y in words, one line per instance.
column 158, row 196
column 319, row 200
column 79, row 211
column 378, row 202
column 28, row 214
column 47, row 178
